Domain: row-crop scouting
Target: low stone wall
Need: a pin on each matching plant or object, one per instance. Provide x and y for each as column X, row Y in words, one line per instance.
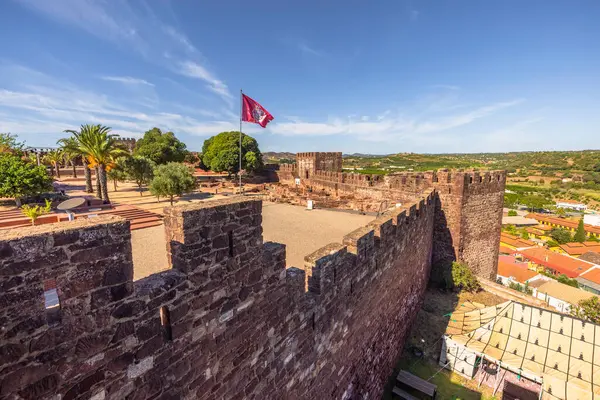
column 228, row 321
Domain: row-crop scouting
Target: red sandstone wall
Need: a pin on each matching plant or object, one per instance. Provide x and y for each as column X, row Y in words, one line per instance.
column 228, row 321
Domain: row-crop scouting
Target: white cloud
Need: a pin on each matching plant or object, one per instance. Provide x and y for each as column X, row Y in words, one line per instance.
column 387, row 127
column 137, row 28
column 127, row 80
column 195, row 70
column 306, row 49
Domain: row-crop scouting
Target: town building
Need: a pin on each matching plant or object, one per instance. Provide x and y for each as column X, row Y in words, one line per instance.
column 514, row 242
column 592, row 219
column 560, row 296
column 511, row 270
column 571, row 205
column 590, row 280
column 576, row 249
column 565, row 223
column 543, row 259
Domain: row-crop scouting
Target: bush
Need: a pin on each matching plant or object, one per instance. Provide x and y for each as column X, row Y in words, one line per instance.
column 33, row 212
column 463, row 278
column 552, row 243
column 512, row 213
column 588, row 309
column 172, row 179
column 20, row 179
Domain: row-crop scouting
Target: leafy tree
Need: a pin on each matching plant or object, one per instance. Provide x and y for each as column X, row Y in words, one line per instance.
column 33, row 212
column 220, row 153
column 139, row 169
column 562, row 278
column 19, row 178
column 116, row 172
column 524, row 234
column 71, row 145
column 463, row 278
column 512, row 213
column 101, row 149
column 10, row 144
column 593, row 238
column 55, row 158
column 580, row 234
column 172, row 179
column 560, row 235
column 552, row 243
column 588, row 309
column 160, row 147
column 560, row 212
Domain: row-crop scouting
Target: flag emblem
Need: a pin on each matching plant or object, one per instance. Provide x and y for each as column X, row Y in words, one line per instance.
column 252, row 111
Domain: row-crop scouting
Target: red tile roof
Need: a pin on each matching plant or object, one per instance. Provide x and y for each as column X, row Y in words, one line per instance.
column 506, row 250
column 509, row 267
column 572, row 267
column 515, row 241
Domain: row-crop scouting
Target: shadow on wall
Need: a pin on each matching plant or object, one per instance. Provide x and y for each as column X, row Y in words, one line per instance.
column 443, row 250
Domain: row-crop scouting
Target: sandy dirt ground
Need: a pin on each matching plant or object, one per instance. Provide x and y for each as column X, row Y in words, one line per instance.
column 305, row 231
column 149, row 251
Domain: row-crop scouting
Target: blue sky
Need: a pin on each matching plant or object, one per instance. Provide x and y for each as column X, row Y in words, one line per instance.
column 354, row 76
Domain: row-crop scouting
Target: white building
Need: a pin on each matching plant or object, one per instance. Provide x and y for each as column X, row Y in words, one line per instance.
column 591, row 219
column 571, row 205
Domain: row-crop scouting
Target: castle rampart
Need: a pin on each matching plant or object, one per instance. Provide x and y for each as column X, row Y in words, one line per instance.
column 469, row 207
column 227, row 321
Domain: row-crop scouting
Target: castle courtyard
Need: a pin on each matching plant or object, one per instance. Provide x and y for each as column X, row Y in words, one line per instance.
column 302, row 231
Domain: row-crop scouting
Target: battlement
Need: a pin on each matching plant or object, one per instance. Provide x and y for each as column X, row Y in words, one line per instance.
column 315, row 154
column 227, row 316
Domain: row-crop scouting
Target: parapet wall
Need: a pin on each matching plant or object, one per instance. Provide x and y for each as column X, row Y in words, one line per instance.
column 229, row 321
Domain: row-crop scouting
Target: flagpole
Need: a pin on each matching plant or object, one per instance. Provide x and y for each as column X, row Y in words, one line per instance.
column 241, row 111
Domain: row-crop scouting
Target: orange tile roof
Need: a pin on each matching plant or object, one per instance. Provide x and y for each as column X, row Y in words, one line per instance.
column 515, row 241
column 568, row 223
column 577, row 249
column 592, row 275
column 506, row 250
column 518, row 271
column 570, row 202
column 572, row 267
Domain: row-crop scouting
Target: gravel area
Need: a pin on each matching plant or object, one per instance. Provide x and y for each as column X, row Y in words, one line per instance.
column 305, row 231
column 149, row 251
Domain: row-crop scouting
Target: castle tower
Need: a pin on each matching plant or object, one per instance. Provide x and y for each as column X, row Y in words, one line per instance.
column 308, row 163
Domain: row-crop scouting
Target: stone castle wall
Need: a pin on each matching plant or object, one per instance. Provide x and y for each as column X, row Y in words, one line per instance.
column 469, row 208
column 228, row 321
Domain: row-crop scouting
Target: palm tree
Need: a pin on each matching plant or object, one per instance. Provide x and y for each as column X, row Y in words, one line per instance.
column 70, row 152
column 72, row 145
column 100, row 149
column 55, row 157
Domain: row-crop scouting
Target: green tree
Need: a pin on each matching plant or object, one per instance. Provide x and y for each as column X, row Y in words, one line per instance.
column 588, row 309
column 512, row 213
column 524, row 234
column 33, row 212
column 19, row 178
column 71, row 145
column 220, row 153
column 580, row 234
column 172, row 179
column 100, row 148
column 560, row 235
column 55, row 158
column 139, row 169
column 10, row 144
column 463, row 278
column 560, row 212
column 562, row 278
column 117, row 172
column 593, row 238
column 160, row 147
column 552, row 243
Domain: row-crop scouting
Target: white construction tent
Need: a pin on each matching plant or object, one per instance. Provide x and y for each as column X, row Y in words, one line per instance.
column 559, row 352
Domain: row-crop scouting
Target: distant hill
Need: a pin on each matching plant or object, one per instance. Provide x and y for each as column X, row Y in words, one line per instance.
column 273, row 156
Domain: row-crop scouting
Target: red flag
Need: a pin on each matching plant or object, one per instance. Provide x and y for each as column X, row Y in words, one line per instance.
column 254, row 112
